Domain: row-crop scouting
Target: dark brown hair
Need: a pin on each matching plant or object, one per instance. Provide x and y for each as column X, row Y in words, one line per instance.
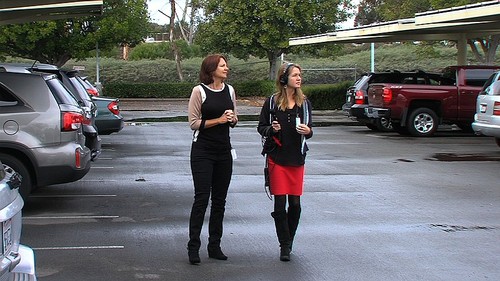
column 208, row 66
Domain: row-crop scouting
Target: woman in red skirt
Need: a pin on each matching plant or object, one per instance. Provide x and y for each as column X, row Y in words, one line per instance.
column 285, row 123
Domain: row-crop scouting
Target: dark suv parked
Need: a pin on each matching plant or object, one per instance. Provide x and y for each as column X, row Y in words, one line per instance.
column 41, row 136
column 357, row 99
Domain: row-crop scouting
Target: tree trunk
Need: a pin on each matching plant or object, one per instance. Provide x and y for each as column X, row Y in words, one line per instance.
column 61, row 60
column 492, row 50
column 174, row 46
column 488, row 47
column 194, row 8
column 125, row 52
column 273, row 58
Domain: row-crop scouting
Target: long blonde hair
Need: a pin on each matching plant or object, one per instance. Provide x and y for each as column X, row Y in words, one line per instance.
column 281, row 85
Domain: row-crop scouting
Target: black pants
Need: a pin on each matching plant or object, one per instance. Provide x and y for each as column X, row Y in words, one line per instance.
column 212, row 172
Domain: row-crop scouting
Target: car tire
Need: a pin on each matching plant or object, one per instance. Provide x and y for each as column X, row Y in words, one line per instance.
column 422, row 122
column 384, row 124
column 497, row 140
column 11, row 162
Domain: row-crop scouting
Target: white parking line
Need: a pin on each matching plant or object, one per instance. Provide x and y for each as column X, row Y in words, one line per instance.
column 73, row 195
column 70, row 217
column 101, row 180
column 78, row 248
column 102, row 167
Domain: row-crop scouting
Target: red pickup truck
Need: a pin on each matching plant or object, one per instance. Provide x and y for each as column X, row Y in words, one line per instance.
column 418, row 110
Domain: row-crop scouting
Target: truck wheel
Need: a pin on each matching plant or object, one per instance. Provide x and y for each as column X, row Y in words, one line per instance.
column 10, row 162
column 384, row 124
column 423, row 122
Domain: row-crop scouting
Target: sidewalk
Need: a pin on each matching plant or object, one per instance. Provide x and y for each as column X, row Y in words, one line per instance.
column 133, row 109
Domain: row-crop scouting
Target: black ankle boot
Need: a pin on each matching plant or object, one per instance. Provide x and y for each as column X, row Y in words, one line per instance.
column 194, row 257
column 216, row 254
column 285, row 253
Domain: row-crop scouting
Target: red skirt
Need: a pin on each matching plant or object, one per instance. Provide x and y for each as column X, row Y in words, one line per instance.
column 285, row 180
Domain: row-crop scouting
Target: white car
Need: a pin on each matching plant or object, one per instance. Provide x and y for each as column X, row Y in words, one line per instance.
column 17, row 262
column 487, row 117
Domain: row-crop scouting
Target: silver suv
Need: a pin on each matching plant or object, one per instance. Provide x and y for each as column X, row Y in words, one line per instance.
column 41, row 134
column 17, row 261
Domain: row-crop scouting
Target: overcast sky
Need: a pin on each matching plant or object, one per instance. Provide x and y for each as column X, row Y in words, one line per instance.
column 164, row 6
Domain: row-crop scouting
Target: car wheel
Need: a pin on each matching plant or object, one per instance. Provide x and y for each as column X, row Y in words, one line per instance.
column 10, row 162
column 384, row 124
column 497, row 140
column 423, row 122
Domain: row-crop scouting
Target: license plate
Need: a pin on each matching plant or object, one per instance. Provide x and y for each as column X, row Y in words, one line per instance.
column 7, row 235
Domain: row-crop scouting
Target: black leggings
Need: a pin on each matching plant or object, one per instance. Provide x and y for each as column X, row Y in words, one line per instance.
column 280, row 202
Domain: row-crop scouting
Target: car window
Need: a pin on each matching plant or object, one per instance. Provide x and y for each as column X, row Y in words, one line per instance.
column 494, row 89
column 81, row 90
column 362, row 80
column 60, row 92
column 476, row 77
column 6, row 98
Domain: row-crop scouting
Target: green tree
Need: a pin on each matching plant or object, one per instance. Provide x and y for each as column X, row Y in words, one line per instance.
column 261, row 28
column 401, row 9
column 367, row 12
column 123, row 22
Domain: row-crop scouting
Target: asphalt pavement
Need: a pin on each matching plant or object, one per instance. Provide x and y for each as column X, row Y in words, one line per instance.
column 376, row 206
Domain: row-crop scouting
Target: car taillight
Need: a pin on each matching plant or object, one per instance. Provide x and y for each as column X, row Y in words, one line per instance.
column 93, row 92
column 71, row 121
column 387, row 95
column 496, row 108
column 359, row 97
column 114, row 108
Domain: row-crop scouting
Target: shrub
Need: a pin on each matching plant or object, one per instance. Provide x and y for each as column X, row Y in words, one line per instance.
column 148, row 90
column 327, row 96
column 321, row 96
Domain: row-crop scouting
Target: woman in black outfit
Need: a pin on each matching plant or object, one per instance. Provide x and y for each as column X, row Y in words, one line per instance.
column 285, row 121
column 212, row 111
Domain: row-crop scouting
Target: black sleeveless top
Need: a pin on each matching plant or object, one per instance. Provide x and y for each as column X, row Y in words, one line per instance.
column 217, row 137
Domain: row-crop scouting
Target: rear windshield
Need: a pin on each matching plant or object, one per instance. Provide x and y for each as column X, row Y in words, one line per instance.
column 477, row 77
column 60, row 92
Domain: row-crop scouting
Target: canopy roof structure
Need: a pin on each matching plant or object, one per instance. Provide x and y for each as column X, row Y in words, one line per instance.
column 21, row 11
column 457, row 24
